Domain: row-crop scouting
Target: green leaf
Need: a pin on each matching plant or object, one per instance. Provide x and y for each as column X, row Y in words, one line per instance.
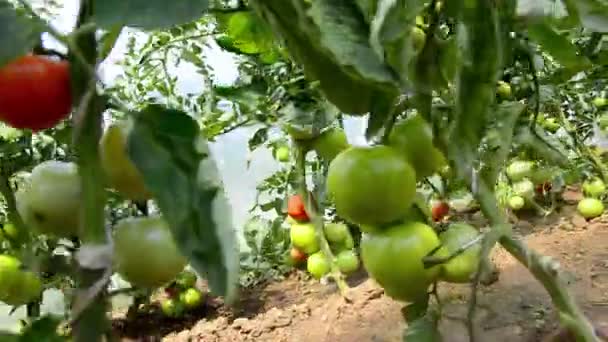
column 248, row 33
column 18, row 34
column 147, row 14
column 167, row 148
column 424, row 329
column 330, row 38
column 108, row 40
column 558, row 46
column 390, row 34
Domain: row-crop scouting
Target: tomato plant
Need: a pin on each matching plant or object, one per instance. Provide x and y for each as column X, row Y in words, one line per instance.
column 35, row 92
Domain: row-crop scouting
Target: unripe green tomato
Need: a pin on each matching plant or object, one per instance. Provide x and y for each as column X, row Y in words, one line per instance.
column 551, row 125
column 304, row 236
column 520, row 169
column 186, row 279
column 145, row 253
column 462, row 267
column 393, row 258
column 336, row 232
column 50, row 203
column 26, row 287
column 282, row 154
column 504, row 89
column 516, row 202
column 371, row 185
column 600, row 102
column 121, row 173
column 191, row 298
column 318, row 265
column 418, row 38
column 594, row 188
column 172, row 308
column 329, row 144
column 524, row 188
column 10, row 231
column 347, row 261
column 590, row 207
column 10, row 278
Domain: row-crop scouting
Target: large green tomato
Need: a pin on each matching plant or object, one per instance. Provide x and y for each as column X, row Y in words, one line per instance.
column 594, row 187
column 24, row 288
column 524, row 188
column 590, row 207
column 520, row 169
column 600, row 102
column 329, row 144
column 393, row 257
column 318, row 265
column 121, row 173
column 50, row 202
column 461, row 268
column 191, row 298
column 414, row 138
column 371, row 185
column 145, row 252
column 304, row 236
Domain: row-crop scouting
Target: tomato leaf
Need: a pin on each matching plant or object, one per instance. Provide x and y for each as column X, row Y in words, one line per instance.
column 558, row 46
column 146, row 14
column 18, row 33
column 108, row 40
column 424, row 329
column 331, row 41
column 166, row 146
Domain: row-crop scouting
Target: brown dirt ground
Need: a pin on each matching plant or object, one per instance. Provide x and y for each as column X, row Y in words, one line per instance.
column 515, row 308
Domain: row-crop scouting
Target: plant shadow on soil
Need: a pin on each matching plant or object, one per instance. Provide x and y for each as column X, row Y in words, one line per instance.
column 515, row 308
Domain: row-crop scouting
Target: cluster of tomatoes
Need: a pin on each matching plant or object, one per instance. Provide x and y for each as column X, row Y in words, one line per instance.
column 145, row 253
column 305, row 244
column 182, row 295
column 374, row 188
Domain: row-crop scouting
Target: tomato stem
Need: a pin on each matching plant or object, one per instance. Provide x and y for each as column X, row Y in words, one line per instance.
column 314, row 210
column 13, row 215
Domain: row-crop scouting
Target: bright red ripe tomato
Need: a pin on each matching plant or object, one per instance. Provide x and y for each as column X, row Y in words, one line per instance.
column 34, row 92
column 295, row 208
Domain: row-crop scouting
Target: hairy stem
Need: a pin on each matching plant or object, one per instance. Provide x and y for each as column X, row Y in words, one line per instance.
column 314, row 210
column 92, row 322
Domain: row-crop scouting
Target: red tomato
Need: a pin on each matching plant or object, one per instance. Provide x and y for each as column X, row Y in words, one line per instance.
column 297, row 255
column 34, row 92
column 295, row 208
column 440, row 210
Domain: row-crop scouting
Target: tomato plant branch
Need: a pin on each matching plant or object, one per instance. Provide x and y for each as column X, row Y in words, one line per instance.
column 90, row 304
column 314, row 210
column 430, row 261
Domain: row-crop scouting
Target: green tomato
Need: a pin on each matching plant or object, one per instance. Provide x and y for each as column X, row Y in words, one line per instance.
column 347, row 261
column 329, row 144
column 282, row 154
column 418, row 38
column 191, row 298
column 520, row 169
column 594, row 188
column 318, row 265
column 336, row 232
column 371, row 185
column 25, row 288
column 58, row 214
column 414, row 138
column 172, row 308
column 504, row 89
column 145, row 253
column 461, row 268
column 590, row 207
column 121, row 173
column 11, row 279
column 524, row 188
column 9, row 230
column 304, row 237
column 600, row 102
column 393, row 257
column 516, row 202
